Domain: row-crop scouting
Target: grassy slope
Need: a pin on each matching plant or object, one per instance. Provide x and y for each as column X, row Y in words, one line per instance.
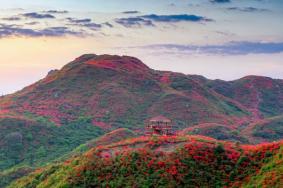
column 263, row 130
column 271, row 129
column 217, row 131
column 106, row 139
column 270, row 175
column 27, row 144
column 11, row 174
column 262, row 95
column 171, row 162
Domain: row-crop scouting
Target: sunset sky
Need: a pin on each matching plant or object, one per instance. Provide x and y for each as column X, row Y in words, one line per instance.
column 219, row 39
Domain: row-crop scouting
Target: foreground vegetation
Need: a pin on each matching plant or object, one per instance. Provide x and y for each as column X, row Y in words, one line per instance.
column 190, row 161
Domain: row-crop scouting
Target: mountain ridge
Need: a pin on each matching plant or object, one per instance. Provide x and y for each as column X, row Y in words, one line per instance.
column 112, row 88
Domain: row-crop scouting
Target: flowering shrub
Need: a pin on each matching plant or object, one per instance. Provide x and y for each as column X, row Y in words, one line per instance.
column 206, row 163
column 146, row 162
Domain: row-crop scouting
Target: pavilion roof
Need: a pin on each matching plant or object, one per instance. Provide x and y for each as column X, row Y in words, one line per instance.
column 160, row 118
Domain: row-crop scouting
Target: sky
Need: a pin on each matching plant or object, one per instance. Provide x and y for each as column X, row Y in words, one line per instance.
column 219, row 39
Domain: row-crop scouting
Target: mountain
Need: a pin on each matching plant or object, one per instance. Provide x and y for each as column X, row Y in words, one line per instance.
column 121, row 91
column 261, row 95
column 65, row 112
column 191, row 161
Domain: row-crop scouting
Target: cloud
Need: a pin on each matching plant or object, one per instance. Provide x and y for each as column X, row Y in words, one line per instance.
column 175, row 18
column 92, row 26
column 134, row 22
column 16, row 30
column 32, row 15
column 12, row 18
column 108, row 24
column 193, row 5
column 248, row 9
column 58, row 31
column 77, row 21
column 131, row 12
column 56, row 11
column 231, row 48
column 220, row 1
column 148, row 20
column 32, row 23
column 33, row 27
column 35, row 15
column 85, row 23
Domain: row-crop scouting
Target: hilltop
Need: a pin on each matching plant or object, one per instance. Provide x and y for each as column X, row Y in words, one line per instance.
column 193, row 161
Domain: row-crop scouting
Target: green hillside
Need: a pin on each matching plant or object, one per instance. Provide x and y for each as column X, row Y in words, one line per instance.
column 192, row 161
